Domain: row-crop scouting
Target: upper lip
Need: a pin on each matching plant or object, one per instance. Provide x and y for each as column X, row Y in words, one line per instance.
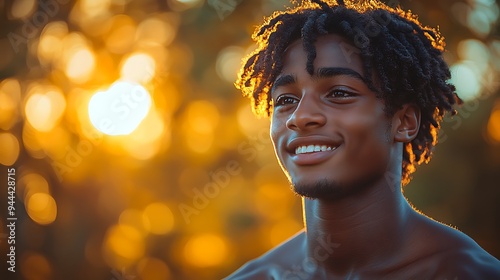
column 294, row 143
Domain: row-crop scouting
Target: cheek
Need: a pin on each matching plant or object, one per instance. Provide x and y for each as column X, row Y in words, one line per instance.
column 276, row 129
column 369, row 132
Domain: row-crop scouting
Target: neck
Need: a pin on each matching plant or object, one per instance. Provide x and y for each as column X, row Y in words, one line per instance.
column 353, row 233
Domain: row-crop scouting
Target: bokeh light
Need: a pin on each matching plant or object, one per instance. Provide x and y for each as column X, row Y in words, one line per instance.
column 139, row 68
column 120, row 109
column 157, row 30
column 35, row 266
column 229, row 63
column 123, row 245
column 202, row 117
column 10, row 97
column 465, row 80
column 153, row 269
column 44, row 108
column 206, row 250
column 494, row 123
column 41, row 208
column 94, row 8
column 30, row 184
column 158, row 218
column 10, row 149
column 22, row 8
column 120, row 36
column 80, row 66
column 51, row 42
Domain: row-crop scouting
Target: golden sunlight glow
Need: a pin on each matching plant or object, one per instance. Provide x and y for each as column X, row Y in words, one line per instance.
column 124, row 242
column 10, row 149
column 70, row 44
column 120, row 109
column 203, row 116
column 206, row 250
column 142, row 151
column 153, row 269
column 139, row 68
column 149, row 138
column 94, row 7
column 283, row 230
column 229, row 62
column 122, row 34
column 44, row 108
column 41, row 208
column 246, row 116
column 51, row 142
column 272, row 201
column 80, row 66
column 202, row 119
column 157, row 31
column 158, row 218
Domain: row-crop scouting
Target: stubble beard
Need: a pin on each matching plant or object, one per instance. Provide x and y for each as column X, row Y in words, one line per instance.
column 320, row 189
column 327, row 189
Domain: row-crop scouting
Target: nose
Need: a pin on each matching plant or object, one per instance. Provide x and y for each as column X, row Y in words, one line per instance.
column 307, row 115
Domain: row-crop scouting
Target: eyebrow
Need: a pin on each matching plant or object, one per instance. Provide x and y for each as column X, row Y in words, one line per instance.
column 325, row 72
column 283, row 81
column 328, row 72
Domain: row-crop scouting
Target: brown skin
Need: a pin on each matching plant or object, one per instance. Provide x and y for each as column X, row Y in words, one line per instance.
column 358, row 224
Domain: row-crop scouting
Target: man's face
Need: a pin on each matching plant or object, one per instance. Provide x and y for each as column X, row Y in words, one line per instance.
column 330, row 132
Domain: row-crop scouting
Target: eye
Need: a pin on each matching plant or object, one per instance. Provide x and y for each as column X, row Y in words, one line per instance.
column 283, row 100
column 340, row 94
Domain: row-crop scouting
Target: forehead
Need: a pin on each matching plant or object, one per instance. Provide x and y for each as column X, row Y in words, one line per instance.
column 331, row 51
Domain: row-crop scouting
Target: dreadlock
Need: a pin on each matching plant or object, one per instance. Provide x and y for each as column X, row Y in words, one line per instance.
column 405, row 56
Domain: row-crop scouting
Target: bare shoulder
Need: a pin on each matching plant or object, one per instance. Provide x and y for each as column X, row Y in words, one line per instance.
column 274, row 264
column 457, row 256
column 467, row 260
column 468, row 263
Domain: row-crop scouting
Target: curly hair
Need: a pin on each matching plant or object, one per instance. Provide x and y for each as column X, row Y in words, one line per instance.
column 405, row 56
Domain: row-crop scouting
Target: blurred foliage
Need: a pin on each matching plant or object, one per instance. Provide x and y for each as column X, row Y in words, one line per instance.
column 194, row 191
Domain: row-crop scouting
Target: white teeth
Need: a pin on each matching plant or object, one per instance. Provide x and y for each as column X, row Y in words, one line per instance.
column 313, row 148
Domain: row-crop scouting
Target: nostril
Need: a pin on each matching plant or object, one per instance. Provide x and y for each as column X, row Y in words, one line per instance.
column 305, row 121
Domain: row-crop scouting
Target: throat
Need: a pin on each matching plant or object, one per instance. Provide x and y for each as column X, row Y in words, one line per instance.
column 352, row 233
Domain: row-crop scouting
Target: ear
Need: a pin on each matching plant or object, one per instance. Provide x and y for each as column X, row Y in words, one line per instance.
column 406, row 123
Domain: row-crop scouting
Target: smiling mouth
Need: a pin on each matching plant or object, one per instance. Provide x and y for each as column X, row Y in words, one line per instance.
column 313, row 149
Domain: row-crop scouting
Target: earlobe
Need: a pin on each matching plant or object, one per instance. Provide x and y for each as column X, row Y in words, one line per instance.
column 406, row 123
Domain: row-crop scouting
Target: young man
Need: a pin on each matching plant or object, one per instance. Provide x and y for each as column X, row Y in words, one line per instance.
column 356, row 93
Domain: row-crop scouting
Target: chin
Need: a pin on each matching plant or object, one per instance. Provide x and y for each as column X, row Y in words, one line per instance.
column 320, row 189
column 328, row 189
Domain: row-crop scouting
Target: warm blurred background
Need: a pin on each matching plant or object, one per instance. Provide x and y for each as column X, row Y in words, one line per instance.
column 167, row 174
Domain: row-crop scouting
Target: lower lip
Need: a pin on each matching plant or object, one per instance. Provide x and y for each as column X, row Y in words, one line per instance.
column 312, row 158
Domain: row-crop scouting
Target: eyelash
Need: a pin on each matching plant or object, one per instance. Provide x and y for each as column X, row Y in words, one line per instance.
column 345, row 93
column 282, row 99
